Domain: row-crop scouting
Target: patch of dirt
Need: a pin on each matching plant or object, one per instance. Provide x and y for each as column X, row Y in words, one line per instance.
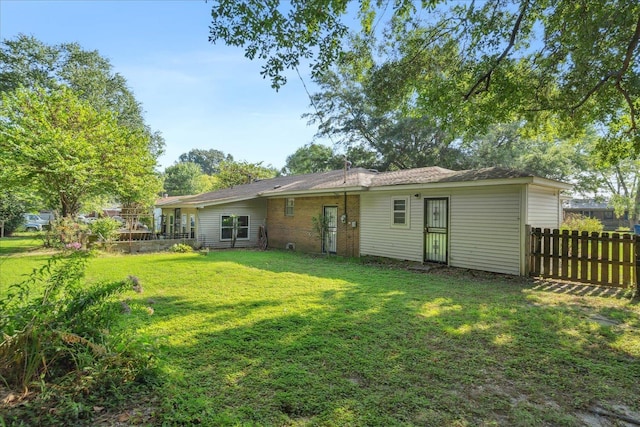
column 617, row 415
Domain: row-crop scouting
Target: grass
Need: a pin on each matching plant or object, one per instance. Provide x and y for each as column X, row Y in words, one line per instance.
column 275, row 338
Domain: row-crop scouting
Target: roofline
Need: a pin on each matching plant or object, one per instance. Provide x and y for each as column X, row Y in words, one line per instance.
column 479, row 183
column 354, row 189
column 534, row 180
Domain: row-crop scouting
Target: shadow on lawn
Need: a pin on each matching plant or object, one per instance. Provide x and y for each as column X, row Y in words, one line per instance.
column 393, row 347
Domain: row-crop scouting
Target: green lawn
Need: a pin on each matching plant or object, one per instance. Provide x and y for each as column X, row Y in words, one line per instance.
column 279, row 338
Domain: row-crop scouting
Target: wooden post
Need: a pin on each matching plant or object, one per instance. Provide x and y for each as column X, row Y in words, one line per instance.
column 564, row 262
column 605, row 258
column 594, row 258
column 637, row 259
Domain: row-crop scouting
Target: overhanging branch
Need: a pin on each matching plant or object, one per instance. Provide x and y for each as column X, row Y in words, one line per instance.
column 486, row 77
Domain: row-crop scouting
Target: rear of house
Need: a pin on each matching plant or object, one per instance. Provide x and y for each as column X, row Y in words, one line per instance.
column 470, row 219
column 475, row 224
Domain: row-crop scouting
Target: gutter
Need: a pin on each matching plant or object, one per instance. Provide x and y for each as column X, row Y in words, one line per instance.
column 480, row 183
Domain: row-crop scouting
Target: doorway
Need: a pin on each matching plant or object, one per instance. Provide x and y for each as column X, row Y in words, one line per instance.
column 436, row 230
column 330, row 238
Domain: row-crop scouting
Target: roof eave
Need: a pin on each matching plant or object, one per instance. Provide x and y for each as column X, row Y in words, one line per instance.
column 479, row 183
column 276, row 193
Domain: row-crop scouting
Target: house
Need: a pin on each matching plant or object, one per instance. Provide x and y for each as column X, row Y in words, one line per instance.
column 597, row 209
column 471, row 219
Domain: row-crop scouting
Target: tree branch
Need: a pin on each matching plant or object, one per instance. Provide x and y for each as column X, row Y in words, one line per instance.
column 486, row 78
column 626, row 63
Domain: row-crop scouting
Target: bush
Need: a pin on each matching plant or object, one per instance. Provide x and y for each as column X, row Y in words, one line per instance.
column 581, row 223
column 181, row 248
column 61, row 338
column 106, row 229
column 65, row 231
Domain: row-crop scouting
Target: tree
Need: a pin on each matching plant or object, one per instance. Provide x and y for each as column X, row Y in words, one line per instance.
column 27, row 62
column 311, row 159
column 184, row 178
column 505, row 146
column 473, row 63
column 208, row 160
column 238, row 173
column 401, row 138
column 12, row 207
column 63, row 149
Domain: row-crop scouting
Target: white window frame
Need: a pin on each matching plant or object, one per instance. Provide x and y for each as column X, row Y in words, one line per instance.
column 222, row 227
column 289, row 206
column 406, row 222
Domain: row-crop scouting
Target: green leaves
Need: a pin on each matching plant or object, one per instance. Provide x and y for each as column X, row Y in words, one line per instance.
column 69, row 152
column 468, row 65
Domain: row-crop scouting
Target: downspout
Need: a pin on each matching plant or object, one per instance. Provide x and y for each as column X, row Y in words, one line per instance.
column 346, row 221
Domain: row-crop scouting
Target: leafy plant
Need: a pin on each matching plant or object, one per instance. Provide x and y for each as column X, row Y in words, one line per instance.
column 181, row 248
column 319, row 225
column 58, row 333
column 65, row 231
column 581, row 223
column 106, row 229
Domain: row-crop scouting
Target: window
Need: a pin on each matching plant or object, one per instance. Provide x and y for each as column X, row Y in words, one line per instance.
column 399, row 212
column 238, row 222
column 288, row 207
column 608, row 215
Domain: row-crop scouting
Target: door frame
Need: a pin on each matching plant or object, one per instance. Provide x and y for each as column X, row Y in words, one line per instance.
column 330, row 230
column 447, row 232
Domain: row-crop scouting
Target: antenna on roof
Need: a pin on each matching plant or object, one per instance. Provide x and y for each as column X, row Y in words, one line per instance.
column 347, row 166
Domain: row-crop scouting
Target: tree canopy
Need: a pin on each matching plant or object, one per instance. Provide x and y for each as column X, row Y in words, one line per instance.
column 184, row 178
column 237, row 173
column 469, row 65
column 208, row 160
column 27, row 62
column 63, row 149
column 71, row 130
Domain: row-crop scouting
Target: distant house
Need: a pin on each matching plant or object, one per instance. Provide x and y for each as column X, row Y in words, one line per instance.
column 472, row 219
column 599, row 210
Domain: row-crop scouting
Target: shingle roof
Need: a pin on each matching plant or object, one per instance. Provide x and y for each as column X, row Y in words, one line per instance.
column 352, row 180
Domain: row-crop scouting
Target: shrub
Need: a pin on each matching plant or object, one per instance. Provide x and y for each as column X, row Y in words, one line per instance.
column 106, row 229
column 64, row 231
column 181, row 248
column 60, row 334
column 581, row 223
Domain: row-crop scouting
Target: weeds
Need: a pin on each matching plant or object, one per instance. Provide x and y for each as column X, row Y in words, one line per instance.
column 58, row 334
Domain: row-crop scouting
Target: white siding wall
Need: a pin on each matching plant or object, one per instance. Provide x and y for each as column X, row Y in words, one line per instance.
column 209, row 222
column 544, row 208
column 484, row 229
column 379, row 238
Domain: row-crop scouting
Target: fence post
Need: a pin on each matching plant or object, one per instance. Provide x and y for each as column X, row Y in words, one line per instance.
column 636, row 249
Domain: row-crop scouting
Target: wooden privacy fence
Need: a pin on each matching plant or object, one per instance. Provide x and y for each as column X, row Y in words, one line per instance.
column 595, row 258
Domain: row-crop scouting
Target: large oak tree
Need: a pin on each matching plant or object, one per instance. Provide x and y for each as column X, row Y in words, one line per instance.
column 469, row 64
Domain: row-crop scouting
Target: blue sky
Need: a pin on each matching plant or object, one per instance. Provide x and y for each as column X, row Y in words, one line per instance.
column 199, row 95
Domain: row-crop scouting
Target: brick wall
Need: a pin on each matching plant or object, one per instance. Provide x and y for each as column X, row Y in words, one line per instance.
column 298, row 229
